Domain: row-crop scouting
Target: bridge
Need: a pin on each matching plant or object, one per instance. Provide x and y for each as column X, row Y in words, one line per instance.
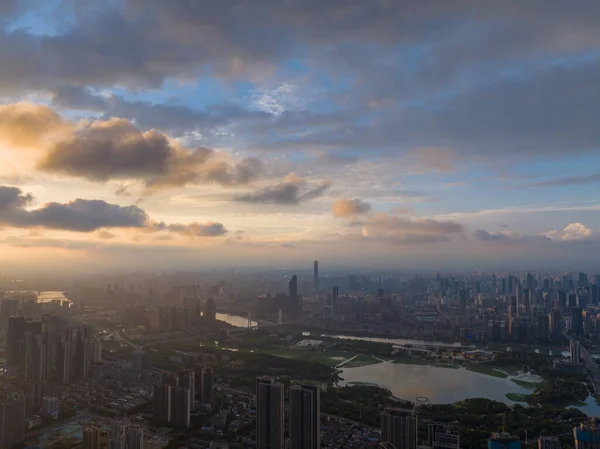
column 280, row 323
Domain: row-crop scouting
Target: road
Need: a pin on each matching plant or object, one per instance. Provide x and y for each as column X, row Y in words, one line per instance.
column 588, row 362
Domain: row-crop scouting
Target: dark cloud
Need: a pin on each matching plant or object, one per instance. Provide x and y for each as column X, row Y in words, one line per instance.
column 293, row 190
column 78, row 97
column 350, row 208
column 116, row 149
column 79, row 215
column 13, row 198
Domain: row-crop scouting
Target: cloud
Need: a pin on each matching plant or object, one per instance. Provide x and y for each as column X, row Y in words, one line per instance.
column 90, row 215
column 25, row 124
column 195, row 229
column 400, row 230
column 293, row 190
column 78, row 215
column 115, row 149
column 571, row 180
column 502, row 236
column 105, row 235
column 350, row 207
column 432, row 158
column 571, row 232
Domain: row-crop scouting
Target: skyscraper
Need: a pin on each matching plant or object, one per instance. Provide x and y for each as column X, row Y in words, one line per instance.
column 117, row 435
column 575, row 351
column 180, row 407
column 305, row 414
column 577, row 326
column 399, row 427
column 187, row 379
column 161, row 403
column 270, row 414
column 316, row 275
column 91, row 438
column 12, row 419
column 210, row 311
column 207, row 386
column 134, row 437
column 293, row 308
column 335, row 295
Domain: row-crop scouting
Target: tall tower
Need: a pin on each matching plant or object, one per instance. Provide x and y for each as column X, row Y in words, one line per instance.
column 270, row 414
column 207, row 386
column 293, row 309
column 316, row 275
column 399, row 427
column 305, row 413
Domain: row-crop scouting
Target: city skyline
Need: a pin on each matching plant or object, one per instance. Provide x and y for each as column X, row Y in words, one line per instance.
column 430, row 137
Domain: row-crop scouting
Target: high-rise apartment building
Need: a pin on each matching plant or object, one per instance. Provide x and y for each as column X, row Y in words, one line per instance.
column 399, row 428
column 207, row 386
column 180, row 407
column 305, row 414
column 316, row 275
column 161, row 403
column 91, row 437
column 270, row 414
column 12, row 420
column 134, row 437
column 117, row 435
column 548, row 442
column 575, row 351
column 187, row 379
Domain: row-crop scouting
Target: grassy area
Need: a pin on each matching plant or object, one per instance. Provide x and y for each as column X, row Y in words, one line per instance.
column 327, row 357
column 525, row 384
column 517, row 397
column 485, row 369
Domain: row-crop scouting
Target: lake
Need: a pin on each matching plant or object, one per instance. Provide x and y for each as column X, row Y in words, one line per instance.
column 438, row 385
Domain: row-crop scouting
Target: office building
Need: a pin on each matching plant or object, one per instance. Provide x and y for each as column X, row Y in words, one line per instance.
column 503, row 440
column 134, row 437
column 586, row 436
column 161, row 403
column 316, row 275
column 305, row 416
column 180, row 407
column 399, row 428
column 547, row 442
column 207, row 386
column 270, row 414
column 91, row 438
column 12, row 421
column 335, row 295
column 187, row 379
column 575, row 351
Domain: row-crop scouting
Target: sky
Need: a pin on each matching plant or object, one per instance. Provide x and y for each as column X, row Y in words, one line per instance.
column 153, row 135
